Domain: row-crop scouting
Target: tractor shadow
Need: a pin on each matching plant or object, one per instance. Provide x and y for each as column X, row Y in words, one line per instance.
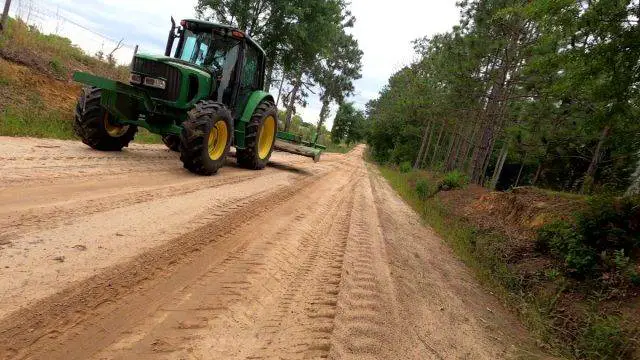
column 232, row 162
column 289, row 168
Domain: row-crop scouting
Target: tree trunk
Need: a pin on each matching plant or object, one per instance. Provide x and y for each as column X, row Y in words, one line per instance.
column 426, row 150
column 470, row 155
column 5, row 15
column 536, row 177
column 520, row 171
column 486, row 162
column 634, row 188
column 437, row 147
column 445, row 162
column 280, row 89
column 595, row 160
column 452, row 147
column 422, row 145
column 267, row 78
column 292, row 101
column 324, row 112
column 499, row 165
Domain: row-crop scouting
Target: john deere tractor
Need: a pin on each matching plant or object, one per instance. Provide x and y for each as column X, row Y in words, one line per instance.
column 203, row 99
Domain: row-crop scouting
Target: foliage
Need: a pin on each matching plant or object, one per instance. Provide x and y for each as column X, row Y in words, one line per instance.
column 405, row 167
column 610, row 223
column 522, row 92
column 423, row 189
column 598, row 239
column 596, row 336
column 51, row 54
column 38, row 101
column 453, row 180
column 348, row 125
column 305, row 41
column 603, row 338
column 341, row 148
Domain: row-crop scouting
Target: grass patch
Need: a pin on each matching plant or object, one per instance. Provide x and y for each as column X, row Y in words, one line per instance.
column 591, row 334
column 35, row 121
column 51, row 54
column 144, row 136
column 340, row 148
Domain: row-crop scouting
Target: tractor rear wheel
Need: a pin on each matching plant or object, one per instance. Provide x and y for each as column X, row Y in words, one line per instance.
column 96, row 126
column 172, row 142
column 259, row 137
column 206, row 138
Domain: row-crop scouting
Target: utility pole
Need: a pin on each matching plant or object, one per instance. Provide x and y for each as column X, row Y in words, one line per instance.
column 5, row 15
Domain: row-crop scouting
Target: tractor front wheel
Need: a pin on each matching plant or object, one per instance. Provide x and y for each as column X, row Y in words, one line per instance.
column 259, row 137
column 206, row 138
column 96, row 126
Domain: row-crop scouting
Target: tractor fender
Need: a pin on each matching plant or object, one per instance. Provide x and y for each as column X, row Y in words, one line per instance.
column 254, row 100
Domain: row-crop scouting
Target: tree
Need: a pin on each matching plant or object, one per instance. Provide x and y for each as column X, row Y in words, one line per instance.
column 311, row 33
column 335, row 75
column 545, row 89
column 348, row 125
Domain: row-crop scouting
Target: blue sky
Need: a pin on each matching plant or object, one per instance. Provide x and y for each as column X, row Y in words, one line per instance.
column 384, row 30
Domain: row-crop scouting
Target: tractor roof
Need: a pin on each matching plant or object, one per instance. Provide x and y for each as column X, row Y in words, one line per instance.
column 207, row 25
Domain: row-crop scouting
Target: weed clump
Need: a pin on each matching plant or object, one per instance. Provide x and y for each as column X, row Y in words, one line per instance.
column 423, row 189
column 405, row 167
column 599, row 242
column 453, row 180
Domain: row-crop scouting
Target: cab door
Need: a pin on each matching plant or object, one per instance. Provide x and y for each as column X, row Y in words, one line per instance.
column 250, row 77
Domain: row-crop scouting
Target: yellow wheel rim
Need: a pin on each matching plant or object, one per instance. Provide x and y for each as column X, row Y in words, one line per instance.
column 218, row 139
column 113, row 130
column 267, row 134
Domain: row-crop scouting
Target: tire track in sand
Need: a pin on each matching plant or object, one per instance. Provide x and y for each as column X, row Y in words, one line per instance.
column 265, row 292
column 367, row 322
column 116, row 297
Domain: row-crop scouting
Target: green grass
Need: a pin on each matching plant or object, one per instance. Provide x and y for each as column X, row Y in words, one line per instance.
column 35, row 121
column 145, row 137
column 42, row 123
column 340, row 148
column 601, row 337
column 53, row 54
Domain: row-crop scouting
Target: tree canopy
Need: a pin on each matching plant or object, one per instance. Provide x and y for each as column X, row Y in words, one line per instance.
column 306, row 44
column 521, row 92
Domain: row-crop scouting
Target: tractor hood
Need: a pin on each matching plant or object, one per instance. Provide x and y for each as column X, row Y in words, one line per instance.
column 179, row 83
column 173, row 62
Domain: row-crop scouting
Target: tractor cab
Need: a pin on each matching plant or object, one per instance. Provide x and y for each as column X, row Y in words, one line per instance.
column 234, row 61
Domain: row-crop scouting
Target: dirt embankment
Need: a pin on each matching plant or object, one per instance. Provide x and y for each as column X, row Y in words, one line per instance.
column 127, row 255
column 517, row 213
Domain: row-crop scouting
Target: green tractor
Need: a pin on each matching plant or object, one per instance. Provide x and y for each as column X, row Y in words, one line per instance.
column 202, row 100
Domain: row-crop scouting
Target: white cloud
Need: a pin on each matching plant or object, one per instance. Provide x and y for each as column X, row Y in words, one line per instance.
column 384, row 30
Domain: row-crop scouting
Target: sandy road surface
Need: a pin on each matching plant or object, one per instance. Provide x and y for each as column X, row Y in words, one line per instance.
column 128, row 256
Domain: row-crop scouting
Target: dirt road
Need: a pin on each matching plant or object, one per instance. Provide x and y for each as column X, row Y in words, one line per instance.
column 128, row 256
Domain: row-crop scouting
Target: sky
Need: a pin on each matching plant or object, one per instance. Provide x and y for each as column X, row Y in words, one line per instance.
column 384, row 30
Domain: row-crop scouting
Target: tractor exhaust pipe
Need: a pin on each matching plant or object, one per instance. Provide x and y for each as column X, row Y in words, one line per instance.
column 172, row 36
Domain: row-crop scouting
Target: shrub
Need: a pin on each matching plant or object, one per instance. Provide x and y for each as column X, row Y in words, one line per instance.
column 453, row 180
column 603, row 338
column 423, row 189
column 58, row 68
column 610, row 223
column 608, row 227
column 563, row 241
column 405, row 167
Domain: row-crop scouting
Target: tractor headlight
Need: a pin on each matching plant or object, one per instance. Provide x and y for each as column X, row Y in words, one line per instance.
column 156, row 83
column 135, row 79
